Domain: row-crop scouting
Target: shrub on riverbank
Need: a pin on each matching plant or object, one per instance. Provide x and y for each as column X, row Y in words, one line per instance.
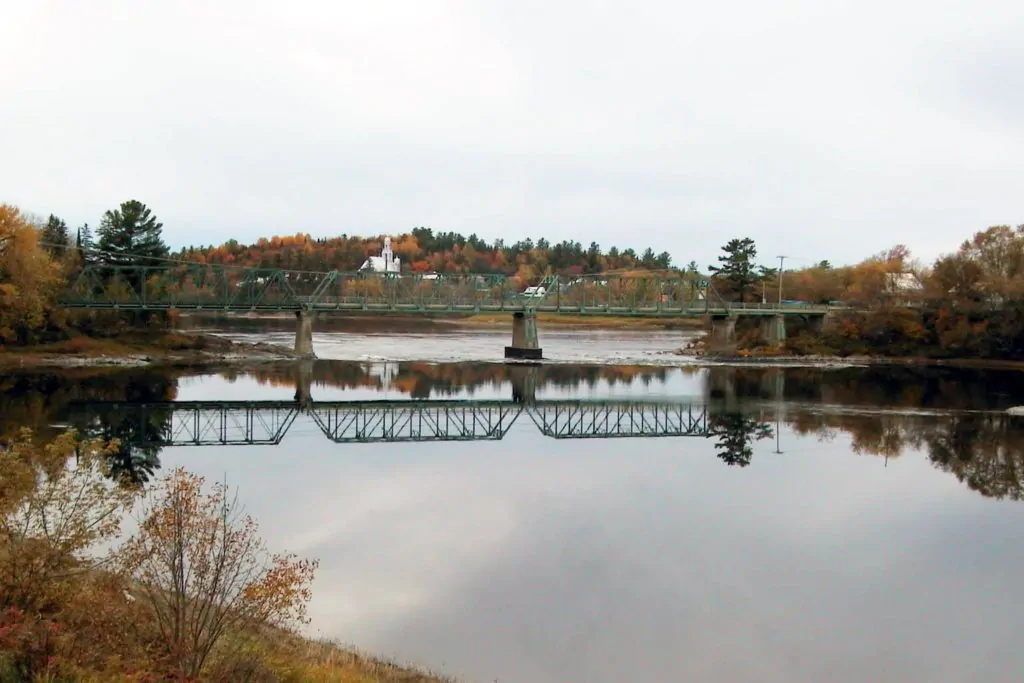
column 192, row 596
column 927, row 332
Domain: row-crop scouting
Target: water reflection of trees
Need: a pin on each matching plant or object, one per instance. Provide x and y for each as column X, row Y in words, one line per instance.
column 736, row 434
column 943, row 388
column 984, row 450
column 46, row 402
column 424, row 380
column 968, row 435
column 137, row 457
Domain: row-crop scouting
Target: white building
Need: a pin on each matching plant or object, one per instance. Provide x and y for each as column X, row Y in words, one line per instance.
column 904, row 288
column 385, row 263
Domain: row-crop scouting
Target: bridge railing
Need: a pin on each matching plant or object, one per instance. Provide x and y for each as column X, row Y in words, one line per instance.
column 736, row 307
column 187, row 286
column 197, row 286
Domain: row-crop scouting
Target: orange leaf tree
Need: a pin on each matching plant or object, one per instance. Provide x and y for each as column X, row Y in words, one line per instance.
column 206, row 577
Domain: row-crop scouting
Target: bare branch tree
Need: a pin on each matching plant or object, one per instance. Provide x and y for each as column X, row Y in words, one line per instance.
column 206, row 575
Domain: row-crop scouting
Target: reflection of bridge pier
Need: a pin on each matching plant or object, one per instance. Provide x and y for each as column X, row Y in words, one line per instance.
column 304, row 333
column 303, row 372
column 525, row 343
column 773, row 383
column 721, row 384
column 524, row 383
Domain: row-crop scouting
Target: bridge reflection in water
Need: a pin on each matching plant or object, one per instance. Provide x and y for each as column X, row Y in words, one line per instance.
column 254, row 423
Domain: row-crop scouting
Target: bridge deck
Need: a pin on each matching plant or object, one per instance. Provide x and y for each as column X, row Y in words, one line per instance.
column 219, row 288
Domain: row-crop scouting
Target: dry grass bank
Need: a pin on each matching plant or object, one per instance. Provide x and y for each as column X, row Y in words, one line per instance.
column 316, row 661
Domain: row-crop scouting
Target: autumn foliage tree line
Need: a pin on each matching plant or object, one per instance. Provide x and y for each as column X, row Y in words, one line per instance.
column 966, row 303
column 423, row 250
column 38, row 257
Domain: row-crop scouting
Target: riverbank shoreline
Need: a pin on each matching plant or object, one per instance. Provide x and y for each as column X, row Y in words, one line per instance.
column 144, row 349
column 187, row 348
column 848, row 361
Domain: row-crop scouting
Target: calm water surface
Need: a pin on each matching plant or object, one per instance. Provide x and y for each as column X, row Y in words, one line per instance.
column 840, row 525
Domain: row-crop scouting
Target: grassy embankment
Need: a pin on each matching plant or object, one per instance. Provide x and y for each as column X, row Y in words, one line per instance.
column 319, row 661
column 292, row 659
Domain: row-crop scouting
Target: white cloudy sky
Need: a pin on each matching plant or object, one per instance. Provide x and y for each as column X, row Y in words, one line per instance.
column 821, row 128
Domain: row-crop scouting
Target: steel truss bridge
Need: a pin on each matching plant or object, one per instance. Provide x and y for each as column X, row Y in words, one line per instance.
column 254, row 423
column 233, row 289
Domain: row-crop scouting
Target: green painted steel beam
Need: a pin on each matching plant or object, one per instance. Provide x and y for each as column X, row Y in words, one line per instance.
column 219, row 288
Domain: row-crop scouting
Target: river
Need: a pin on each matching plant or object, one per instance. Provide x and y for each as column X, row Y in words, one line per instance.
column 797, row 524
column 438, row 341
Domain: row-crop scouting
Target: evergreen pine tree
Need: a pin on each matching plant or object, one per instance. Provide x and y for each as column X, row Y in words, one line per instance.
column 55, row 237
column 84, row 243
column 131, row 236
column 738, row 270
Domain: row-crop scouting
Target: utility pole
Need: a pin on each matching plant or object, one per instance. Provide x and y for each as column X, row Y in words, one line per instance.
column 782, row 260
column 778, row 435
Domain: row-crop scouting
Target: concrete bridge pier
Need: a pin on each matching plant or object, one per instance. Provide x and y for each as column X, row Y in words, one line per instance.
column 821, row 323
column 723, row 331
column 304, row 333
column 525, row 343
column 773, row 329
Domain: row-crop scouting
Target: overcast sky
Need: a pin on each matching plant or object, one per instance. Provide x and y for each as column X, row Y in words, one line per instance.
column 822, row 129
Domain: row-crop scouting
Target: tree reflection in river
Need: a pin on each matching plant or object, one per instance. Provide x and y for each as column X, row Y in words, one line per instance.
column 736, row 434
column 138, row 434
column 955, row 417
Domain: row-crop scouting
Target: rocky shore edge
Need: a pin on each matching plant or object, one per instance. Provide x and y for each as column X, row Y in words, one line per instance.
column 174, row 349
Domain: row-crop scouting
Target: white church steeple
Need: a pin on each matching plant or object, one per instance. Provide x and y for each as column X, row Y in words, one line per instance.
column 385, row 263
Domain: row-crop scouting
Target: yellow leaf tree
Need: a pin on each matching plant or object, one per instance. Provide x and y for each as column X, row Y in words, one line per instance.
column 29, row 279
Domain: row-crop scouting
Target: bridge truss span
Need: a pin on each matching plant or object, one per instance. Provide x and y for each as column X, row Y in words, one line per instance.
column 189, row 286
column 195, row 423
column 620, row 419
column 414, row 421
column 255, row 423
column 231, row 424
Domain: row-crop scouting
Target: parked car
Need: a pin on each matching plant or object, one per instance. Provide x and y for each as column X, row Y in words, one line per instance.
column 534, row 293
